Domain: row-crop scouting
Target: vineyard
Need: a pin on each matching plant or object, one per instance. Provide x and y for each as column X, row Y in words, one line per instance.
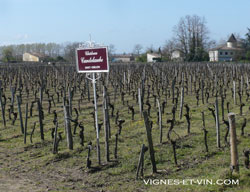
column 155, row 121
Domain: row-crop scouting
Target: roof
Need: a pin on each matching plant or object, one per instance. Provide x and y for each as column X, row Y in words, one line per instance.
column 154, row 54
column 40, row 55
column 177, row 50
column 122, row 56
column 232, row 39
column 224, row 47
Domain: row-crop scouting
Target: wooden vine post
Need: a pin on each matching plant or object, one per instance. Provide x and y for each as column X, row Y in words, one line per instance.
column 141, row 161
column 173, row 87
column 41, row 95
column 13, row 91
column 205, row 131
column 234, row 91
column 182, row 95
column 106, row 122
column 139, row 100
column 40, row 115
column 70, row 100
column 55, row 147
column 233, row 143
column 26, row 121
column 160, row 119
column 20, row 113
column 202, row 89
column 67, row 118
column 217, row 123
column 2, row 105
column 150, row 141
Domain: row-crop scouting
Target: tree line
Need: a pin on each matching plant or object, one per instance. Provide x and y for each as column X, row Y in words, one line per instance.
column 54, row 51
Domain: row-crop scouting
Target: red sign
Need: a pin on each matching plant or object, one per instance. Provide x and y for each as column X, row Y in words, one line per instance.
column 89, row 60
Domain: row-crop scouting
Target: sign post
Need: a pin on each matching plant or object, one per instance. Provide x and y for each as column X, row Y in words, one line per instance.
column 93, row 60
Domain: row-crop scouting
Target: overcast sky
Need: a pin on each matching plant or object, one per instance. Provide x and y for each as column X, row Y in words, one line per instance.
column 123, row 23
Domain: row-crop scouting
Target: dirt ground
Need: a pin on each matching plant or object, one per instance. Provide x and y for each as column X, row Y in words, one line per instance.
column 14, row 180
column 18, row 174
column 8, row 183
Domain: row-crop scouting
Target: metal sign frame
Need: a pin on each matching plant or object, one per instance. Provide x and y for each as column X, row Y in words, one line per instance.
column 92, row 71
column 95, row 76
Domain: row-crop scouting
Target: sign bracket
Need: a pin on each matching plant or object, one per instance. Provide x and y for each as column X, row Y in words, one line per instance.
column 93, row 79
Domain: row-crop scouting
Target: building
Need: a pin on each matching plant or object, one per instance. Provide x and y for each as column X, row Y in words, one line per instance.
column 153, row 57
column 177, row 55
column 227, row 52
column 34, row 57
column 122, row 58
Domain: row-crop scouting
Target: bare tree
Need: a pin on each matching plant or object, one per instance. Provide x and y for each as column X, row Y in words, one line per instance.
column 168, row 48
column 150, row 49
column 69, row 51
column 137, row 49
column 111, row 51
column 192, row 37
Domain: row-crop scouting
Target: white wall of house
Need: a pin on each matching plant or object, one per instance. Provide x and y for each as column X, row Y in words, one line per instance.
column 226, row 55
column 30, row 57
column 121, row 59
column 176, row 55
column 213, row 55
column 150, row 57
column 222, row 55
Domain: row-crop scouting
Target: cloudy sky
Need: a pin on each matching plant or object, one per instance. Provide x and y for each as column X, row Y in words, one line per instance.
column 123, row 23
